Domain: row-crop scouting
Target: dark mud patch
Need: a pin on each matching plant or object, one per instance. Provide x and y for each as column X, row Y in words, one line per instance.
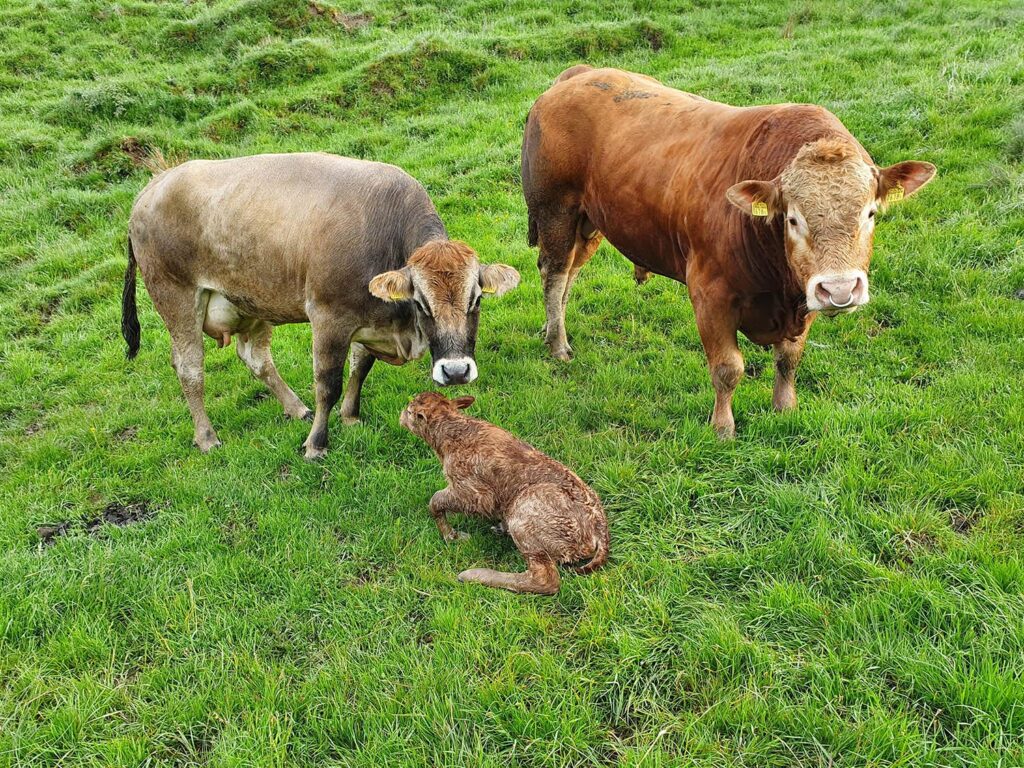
column 963, row 521
column 115, row 513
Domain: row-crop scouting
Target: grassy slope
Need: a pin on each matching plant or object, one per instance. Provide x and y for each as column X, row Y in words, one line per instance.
column 840, row 586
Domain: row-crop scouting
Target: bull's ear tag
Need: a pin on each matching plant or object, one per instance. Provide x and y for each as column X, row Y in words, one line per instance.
column 895, row 194
column 758, row 208
column 395, row 297
column 486, row 290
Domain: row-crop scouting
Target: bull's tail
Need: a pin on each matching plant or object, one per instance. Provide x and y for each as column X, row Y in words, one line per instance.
column 129, row 310
column 579, row 69
column 531, row 234
column 601, row 552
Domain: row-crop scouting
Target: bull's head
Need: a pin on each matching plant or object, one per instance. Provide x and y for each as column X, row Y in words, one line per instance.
column 829, row 195
column 445, row 282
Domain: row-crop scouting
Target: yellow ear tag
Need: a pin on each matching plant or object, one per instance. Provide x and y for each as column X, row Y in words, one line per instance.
column 758, row 208
column 395, row 297
column 894, row 195
column 486, row 290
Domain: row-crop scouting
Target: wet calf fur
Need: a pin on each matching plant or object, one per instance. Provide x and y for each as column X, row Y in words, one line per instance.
column 552, row 516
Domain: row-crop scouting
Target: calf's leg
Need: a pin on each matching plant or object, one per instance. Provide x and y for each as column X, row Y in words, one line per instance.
column 360, row 361
column 255, row 353
column 540, row 578
column 330, row 346
column 787, row 358
column 443, row 503
column 183, row 311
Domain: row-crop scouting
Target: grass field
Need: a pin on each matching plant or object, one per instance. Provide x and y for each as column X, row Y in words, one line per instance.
column 842, row 586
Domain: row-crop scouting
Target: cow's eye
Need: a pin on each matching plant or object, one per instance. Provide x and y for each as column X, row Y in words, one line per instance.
column 871, row 213
column 475, row 305
column 792, row 221
column 423, row 308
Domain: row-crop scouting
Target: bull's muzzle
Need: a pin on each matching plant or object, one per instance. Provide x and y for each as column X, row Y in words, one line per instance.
column 838, row 292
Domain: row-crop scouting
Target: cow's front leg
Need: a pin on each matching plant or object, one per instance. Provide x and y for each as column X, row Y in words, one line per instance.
column 787, row 358
column 442, row 504
column 718, row 334
column 330, row 345
column 360, row 361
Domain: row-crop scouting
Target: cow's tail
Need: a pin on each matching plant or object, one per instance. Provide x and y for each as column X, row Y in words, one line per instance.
column 579, row 69
column 531, row 233
column 601, row 552
column 129, row 310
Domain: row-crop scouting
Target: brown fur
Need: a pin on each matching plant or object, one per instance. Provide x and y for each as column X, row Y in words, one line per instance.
column 669, row 178
column 550, row 513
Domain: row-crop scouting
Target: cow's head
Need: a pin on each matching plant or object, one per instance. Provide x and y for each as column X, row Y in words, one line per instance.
column 829, row 195
column 445, row 282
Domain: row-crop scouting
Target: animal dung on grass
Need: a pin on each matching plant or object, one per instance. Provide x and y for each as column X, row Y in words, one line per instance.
column 550, row 513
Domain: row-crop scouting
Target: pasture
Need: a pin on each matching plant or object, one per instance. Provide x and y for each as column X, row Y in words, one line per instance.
column 839, row 586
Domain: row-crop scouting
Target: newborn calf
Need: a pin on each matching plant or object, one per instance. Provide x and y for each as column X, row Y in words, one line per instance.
column 552, row 516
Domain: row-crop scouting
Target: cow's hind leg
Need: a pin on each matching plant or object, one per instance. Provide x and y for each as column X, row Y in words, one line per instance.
column 360, row 361
column 540, row 577
column 254, row 350
column 330, row 346
column 787, row 358
column 183, row 310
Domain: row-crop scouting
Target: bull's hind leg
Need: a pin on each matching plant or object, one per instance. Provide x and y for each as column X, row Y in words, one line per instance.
column 183, row 311
column 563, row 252
column 540, row 577
column 254, row 351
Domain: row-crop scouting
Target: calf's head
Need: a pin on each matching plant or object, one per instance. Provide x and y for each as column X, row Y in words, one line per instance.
column 445, row 281
column 428, row 409
column 829, row 195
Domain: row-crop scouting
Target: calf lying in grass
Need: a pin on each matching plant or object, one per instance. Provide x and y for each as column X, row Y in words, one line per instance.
column 552, row 516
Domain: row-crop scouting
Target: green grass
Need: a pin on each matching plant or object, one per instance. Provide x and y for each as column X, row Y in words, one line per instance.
column 841, row 586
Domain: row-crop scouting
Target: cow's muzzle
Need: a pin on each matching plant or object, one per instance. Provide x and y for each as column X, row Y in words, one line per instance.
column 836, row 293
column 454, row 370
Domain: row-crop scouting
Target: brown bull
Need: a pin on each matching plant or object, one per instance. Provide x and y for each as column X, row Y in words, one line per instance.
column 766, row 213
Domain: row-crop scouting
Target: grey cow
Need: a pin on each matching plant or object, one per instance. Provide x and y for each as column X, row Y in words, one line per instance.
column 355, row 248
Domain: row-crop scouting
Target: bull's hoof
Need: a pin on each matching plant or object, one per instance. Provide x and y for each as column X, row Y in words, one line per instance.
column 725, row 431
column 562, row 353
column 351, row 421
column 300, row 415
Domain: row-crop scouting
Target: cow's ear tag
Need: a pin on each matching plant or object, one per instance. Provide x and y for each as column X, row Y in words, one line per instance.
column 486, row 290
column 895, row 194
column 758, row 208
column 396, row 297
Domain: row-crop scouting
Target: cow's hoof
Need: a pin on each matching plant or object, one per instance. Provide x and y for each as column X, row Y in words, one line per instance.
column 351, row 421
column 562, row 353
column 304, row 415
column 456, row 536
column 207, row 443
column 314, row 454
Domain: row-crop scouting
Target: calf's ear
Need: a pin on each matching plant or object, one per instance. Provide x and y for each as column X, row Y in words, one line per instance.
column 903, row 179
column 496, row 279
column 760, row 199
column 392, row 286
column 462, row 403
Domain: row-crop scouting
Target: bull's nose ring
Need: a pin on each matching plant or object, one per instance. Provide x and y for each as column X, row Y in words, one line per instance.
column 840, row 306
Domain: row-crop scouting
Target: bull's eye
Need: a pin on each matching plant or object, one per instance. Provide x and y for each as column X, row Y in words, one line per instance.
column 792, row 221
column 423, row 308
column 475, row 305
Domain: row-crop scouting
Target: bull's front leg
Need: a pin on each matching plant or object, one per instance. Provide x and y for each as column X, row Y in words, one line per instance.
column 725, row 363
column 787, row 358
column 330, row 346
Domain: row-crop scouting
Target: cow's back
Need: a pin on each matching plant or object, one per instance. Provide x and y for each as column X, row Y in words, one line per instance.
column 280, row 227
